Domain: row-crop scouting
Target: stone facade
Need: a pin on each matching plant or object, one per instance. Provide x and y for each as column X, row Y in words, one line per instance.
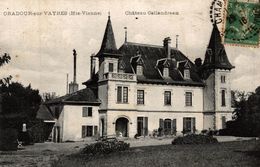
column 142, row 90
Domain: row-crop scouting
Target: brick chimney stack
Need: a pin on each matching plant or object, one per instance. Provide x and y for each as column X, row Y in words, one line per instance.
column 92, row 65
column 167, row 47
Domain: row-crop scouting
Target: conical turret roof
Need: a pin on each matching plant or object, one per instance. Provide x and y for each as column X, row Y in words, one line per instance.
column 108, row 46
column 216, row 57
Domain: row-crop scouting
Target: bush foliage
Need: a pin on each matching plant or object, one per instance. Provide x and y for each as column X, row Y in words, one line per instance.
column 8, row 139
column 194, row 139
column 105, row 147
column 246, row 114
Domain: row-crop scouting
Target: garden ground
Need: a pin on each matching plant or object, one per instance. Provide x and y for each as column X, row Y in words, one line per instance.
column 157, row 152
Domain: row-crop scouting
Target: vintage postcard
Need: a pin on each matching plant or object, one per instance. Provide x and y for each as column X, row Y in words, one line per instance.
column 90, row 83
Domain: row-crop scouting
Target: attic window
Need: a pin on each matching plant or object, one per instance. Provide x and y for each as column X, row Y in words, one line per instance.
column 165, row 72
column 139, row 70
column 186, row 74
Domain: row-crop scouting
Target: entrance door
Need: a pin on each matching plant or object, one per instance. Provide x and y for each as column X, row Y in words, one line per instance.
column 167, row 126
column 122, row 127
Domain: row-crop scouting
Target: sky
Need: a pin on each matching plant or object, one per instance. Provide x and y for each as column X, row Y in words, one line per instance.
column 41, row 46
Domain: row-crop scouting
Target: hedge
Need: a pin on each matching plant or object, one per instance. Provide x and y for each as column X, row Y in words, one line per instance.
column 105, row 147
column 8, row 139
column 194, row 139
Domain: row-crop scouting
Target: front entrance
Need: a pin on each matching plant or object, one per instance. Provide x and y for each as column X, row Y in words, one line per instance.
column 122, row 127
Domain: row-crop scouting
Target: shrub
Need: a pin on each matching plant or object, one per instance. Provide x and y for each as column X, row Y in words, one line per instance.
column 194, row 139
column 8, row 139
column 105, row 147
column 204, row 131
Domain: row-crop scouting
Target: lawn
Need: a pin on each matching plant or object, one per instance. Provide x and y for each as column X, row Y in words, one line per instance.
column 238, row 153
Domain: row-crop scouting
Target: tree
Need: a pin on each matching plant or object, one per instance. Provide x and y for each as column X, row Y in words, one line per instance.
column 246, row 115
column 4, row 59
column 19, row 104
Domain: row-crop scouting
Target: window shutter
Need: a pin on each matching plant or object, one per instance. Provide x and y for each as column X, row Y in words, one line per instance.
column 95, row 130
column 125, row 95
column 119, row 94
column 193, row 125
column 184, row 124
column 174, row 126
column 161, row 123
column 83, row 131
column 90, row 111
column 145, row 126
column 223, row 122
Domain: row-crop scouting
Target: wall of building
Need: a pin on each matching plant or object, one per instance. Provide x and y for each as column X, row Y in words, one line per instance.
column 103, row 94
column 153, row 120
column 209, row 94
column 220, row 86
column 73, row 121
column 103, row 68
column 112, row 95
column 154, row 98
column 219, row 115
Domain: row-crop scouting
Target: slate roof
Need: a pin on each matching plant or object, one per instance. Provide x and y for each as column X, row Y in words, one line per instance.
column 44, row 113
column 216, row 57
column 150, row 54
column 108, row 46
column 83, row 96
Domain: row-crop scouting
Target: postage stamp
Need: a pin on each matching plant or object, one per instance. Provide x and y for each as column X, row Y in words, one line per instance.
column 242, row 23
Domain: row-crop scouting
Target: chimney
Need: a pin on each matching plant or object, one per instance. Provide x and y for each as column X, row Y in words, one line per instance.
column 75, row 65
column 92, row 65
column 198, row 62
column 167, row 47
column 73, row 86
column 125, row 34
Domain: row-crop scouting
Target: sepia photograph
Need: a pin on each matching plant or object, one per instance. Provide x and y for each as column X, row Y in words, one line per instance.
column 129, row 83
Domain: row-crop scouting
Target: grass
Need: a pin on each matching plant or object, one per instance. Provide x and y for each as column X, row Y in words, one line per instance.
column 239, row 153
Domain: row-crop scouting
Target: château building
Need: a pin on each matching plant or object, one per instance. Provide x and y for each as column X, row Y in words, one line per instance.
column 138, row 88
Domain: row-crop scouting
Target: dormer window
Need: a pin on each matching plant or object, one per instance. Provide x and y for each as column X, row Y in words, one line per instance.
column 139, row 70
column 186, row 74
column 165, row 72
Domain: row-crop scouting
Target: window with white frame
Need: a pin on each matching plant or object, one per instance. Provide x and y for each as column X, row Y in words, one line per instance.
column 186, row 74
column 88, row 131
column 188, row 98
column 122, row 94
column 140, row 97
column 87, row 112
column 167, row 98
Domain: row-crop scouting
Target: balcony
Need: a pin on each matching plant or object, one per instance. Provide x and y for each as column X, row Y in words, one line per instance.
column 120, row 76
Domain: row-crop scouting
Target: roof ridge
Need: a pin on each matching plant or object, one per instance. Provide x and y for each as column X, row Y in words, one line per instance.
column 150, row 45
